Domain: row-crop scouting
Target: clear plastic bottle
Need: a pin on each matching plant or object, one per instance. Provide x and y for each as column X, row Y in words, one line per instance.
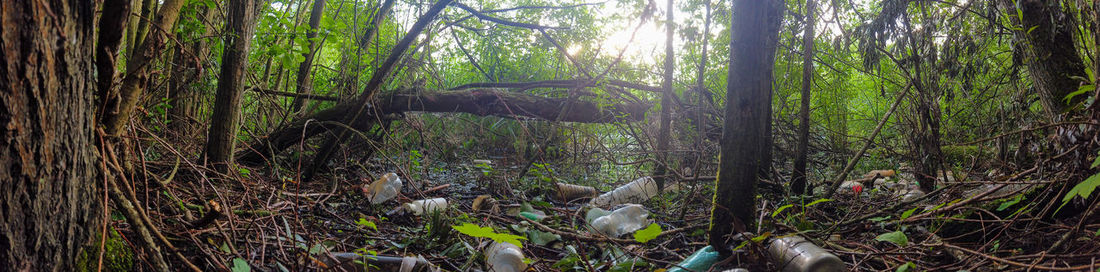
column 422, row 206
column 505, row 257
column 636, row 192
column 796, row 254
column 383, row 189
column 627, row 219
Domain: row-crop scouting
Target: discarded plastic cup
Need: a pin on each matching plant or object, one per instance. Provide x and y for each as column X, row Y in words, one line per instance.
column 796, row 254
column 383, row 189
column 636, row 192
column 504, row 257
column 422, row 206
column 627, row 219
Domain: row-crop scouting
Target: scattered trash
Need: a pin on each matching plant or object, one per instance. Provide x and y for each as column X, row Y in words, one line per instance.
column 383, row 189
column 570, row 192
column 422, row 206
column 736, row 270
column 880, row 173
column 481, row 162
column 351, row 261
column 627, row 219
column 526, row 211
column 635, row 192
column 485, row 203
column 701, row 260
column 853, row 186
column 796, row 254
column 504, row 257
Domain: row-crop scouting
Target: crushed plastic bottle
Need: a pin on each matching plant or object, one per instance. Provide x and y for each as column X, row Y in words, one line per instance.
column 383, row 189
column 796, row 254
column 635, row 192
column 504, row 257
column 422, row 206
column 627, row 219
column 352, row 261
column 701, row 260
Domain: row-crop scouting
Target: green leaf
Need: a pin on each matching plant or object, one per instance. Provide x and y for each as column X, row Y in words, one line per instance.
column 1010, row 202
column 780, row 209
column 1096, row 162
column 487, row 232
column 897, row 237
column 823, row 200
column 1083, row 189
column 1080, row 90
column 240, row 265
column 366, row 223
column 906, row 267
column 908, row 213
column 649, row 233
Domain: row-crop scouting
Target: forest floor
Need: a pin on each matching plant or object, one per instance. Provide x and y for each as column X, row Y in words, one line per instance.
column 329, row 223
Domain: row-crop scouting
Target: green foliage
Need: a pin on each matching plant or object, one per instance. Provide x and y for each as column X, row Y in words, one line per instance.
column 240, row 265
column 648, row 233
column 897, row 237
column 117, row 255
column 473, row 230
column 906, row 267
column 363, row 222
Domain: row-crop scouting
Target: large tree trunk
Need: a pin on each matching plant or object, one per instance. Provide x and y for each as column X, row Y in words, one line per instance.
column 666, row 102
column 305, row 84
column 49, row 202
column 1046, row 36
column 227, row 104
column 117, row 106
column 754, row 30
column 798, row 180
column 481, row 102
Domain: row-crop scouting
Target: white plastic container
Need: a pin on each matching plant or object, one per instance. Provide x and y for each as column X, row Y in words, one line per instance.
column 629, row 218
column 383, row 189
column 423, row 206
column 504, row 257
column 635, row 192
column 796, row 254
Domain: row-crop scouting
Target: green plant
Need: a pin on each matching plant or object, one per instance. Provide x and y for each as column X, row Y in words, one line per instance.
column 488, row 232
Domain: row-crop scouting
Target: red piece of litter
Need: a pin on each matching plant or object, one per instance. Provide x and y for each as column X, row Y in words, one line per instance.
column 857, row 188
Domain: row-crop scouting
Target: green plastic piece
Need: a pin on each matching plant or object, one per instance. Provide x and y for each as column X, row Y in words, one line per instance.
column 701, row 260
column 532, row 216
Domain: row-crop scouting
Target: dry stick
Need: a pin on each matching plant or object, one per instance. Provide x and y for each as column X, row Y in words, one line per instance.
column 1065, row 237
column 870, row 140
column 1030, row 267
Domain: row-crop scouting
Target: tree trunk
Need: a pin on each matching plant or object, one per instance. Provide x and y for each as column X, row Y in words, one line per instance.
column 117, row 107
column 481, row 102
column 49, row 194
column 227, row 104
column 112, row 26
column 305, row 84
column 701, row 92
column 184, row 94
column 754, row 34
column 798, row 181
column 1046, row 36
column 666, row 102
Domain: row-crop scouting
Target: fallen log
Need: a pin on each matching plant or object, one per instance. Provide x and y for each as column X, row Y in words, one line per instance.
column 481, row 102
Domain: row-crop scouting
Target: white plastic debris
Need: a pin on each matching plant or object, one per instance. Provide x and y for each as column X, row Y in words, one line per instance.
column 505, row 257
column 627, row 219
column 383, row 189
column 423, row 206
column 635, row 192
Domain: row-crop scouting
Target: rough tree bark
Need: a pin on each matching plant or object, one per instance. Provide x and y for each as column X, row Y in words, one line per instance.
column 227, row 103
column 1046, row 37
column 305, row 84
column 482, row 102
column 117, row 106
column 665, row 128
column 754, row 30
column 49, row 200
column 701, row 92
column 798, row 180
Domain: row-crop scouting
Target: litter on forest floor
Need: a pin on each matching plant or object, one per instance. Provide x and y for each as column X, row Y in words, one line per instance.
column 796, row 254
column 385, row 188
column 627, row 219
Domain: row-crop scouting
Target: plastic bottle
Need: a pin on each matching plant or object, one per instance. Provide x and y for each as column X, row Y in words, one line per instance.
column 383, row 189
column 422, row 206
column 627, row 219
column 504, row 257
column 637, row 191
column 569, row 192
column 701, row 260
column 796, row 254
